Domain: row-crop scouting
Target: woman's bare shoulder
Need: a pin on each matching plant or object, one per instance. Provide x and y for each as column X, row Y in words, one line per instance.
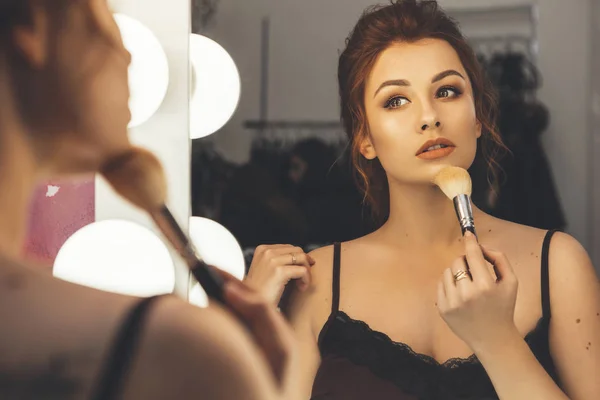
column 523, row 245
column 508, row 235
column 325, row 253
column 191, row 350
column 179, row 347
column 314, row 304
column 322, row 270
column 307, row 310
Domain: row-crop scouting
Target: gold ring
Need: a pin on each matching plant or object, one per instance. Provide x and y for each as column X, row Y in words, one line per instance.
column 293, row 258
column 462, row 274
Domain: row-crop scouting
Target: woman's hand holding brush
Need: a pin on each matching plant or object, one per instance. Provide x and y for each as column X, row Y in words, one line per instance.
column 478, row 306
column 476, row 303
column 271, row 332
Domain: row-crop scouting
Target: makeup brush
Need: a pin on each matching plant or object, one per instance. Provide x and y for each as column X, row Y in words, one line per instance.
column 455, row 182
column 138, row 176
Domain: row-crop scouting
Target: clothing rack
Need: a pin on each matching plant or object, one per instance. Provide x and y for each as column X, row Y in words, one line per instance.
column 290, row 125
column 506, row 43
column 285, row 133
column 506, row 28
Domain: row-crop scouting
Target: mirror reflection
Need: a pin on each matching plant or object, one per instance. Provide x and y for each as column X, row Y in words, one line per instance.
column 374, row 149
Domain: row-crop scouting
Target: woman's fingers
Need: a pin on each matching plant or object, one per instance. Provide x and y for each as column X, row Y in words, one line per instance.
column 476, row 261
column 500, row 262
column 268, row 327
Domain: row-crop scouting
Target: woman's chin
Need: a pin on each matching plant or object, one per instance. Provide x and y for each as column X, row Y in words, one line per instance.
column 435, row 169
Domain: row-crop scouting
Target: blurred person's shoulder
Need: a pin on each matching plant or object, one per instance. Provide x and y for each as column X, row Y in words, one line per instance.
column 176, row 350
column 193, row 350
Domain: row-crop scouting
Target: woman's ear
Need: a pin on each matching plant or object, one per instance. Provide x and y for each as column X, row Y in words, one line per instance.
column 367, row 149
column 477, row 129
column 32, row 39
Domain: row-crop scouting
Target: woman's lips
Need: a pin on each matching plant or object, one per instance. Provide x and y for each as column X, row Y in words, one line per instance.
column 435, row 154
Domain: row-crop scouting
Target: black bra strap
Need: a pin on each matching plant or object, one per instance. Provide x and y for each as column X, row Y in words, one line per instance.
column 545, row 275
column 122, row 353
column 335, row 301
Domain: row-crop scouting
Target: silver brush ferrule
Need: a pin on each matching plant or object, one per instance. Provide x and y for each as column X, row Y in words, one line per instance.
column 464, row 212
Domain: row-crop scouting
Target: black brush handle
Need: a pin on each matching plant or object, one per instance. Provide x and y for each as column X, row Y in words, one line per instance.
column 207, row 276
column 210, row 280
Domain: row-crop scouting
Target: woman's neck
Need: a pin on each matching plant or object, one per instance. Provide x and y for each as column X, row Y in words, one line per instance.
column 421, row 216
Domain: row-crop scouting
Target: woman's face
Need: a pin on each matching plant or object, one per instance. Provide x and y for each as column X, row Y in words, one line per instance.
column 419, row 92
column 92, row 64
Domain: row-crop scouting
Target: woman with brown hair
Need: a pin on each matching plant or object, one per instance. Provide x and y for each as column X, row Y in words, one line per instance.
column 63, row 111
column 413, row 310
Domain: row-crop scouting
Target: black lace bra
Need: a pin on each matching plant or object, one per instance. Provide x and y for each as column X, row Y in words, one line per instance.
column 360, row 363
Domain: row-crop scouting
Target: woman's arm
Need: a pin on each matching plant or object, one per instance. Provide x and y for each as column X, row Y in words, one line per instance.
column 310, row 358
column 574, row 335
column 307, row 311
column 515, row 372
column 575, row 323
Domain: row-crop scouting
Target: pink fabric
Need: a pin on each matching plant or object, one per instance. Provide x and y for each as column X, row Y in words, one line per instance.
column 58, row 209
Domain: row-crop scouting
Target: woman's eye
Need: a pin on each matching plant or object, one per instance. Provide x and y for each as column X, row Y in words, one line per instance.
column 395, row 102
column 447, row 92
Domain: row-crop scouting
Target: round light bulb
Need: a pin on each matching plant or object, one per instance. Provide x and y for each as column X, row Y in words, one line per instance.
column 215, row 86
column 117, row 256
column 148, row 71
column 218, row 247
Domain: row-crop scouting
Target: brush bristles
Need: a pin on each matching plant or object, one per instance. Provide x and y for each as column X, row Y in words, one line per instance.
column 453, row 181
column 139, row 177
